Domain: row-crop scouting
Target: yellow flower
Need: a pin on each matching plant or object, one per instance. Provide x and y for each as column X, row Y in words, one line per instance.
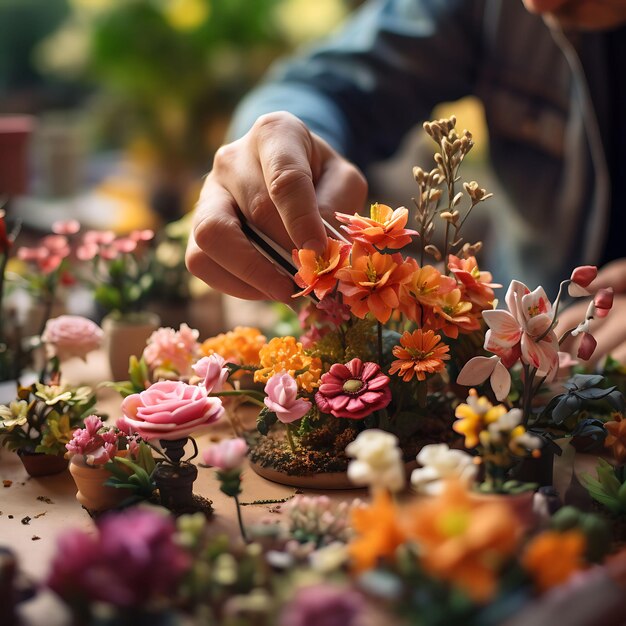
column 286, row 354
column 186, row 14
column 378, row 532
column 552, row 557
column 464, row 541
column 15, row 414
column 475, row 416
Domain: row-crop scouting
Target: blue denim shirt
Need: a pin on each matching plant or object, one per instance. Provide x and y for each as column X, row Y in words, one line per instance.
column 365, row 88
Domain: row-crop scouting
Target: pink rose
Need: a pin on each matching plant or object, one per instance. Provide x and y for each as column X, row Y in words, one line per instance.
column 170, row 410
column 71, row 335
column 226, row 455
column 282, row 398
column 212, row 370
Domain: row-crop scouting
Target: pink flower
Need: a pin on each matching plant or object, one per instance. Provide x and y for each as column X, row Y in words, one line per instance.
column 48, row 255
column 170, row 410
column 587, row 346
column 603, row 301
column 142, row 235
column 228, row 454
column 323, row 604
column 354, row 390
column 132, row 561
column 66, row 227
column 478, row 369
column 524, row 330
column 96, row 442
column 71, row 335
column 584, row 275
column 125, row 244
column 282, row 398
column 212, row 370
column 172, row 350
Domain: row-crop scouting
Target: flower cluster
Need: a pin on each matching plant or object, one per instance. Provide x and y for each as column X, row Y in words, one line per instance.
column 96, row 443
column 172, row 352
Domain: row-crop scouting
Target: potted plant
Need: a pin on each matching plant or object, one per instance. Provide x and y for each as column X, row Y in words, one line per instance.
column 165, row 415
column 103, row 459
column 118, row 271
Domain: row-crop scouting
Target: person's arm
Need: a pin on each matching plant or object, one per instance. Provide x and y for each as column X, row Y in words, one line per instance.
column 351, row 100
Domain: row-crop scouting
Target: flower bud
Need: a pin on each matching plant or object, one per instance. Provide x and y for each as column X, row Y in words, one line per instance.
column 584, row 274
column 587, row 346
column 603, row 301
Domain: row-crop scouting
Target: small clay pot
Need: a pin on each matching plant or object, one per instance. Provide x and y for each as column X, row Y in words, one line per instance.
column 175, row 485
column 39, row 464
column 126, row 337
column 92, row 493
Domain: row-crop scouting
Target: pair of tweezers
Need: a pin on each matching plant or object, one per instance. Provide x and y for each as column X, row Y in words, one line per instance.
column 274, row 253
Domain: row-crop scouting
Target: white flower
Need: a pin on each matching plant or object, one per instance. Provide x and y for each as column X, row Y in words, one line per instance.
column 438, row 463
column 329, row 558
column 378, row 461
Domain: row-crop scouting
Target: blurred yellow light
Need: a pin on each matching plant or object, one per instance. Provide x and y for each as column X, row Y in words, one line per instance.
column 186, row 14
column 304, row 20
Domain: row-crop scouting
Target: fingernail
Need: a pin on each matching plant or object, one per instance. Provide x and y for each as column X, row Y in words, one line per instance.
column 314, row 244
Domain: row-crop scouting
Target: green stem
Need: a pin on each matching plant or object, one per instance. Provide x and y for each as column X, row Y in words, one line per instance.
column 292, row 443
column 240, row 520
column 529, row 377
column 252, row 396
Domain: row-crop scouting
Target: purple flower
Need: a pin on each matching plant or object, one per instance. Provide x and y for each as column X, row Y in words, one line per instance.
column 132, row 561
column 322, row 604
column 354, row 390
column 282, row 398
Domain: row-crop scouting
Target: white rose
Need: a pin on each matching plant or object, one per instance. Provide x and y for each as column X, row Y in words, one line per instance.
column 438, row 463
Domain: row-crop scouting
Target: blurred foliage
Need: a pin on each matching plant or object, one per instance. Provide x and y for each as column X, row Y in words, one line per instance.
column 174, row 69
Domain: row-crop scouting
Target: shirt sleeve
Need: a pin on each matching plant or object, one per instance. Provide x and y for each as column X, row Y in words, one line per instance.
column 366, row 87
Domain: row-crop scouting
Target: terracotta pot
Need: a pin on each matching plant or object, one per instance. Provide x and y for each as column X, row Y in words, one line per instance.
column 125, row 337
column 322, row 480
column 92, row 493
column 520, row 503
column 39, row 464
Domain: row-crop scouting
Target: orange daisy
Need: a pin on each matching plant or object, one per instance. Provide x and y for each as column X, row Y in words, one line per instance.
column 385, row 228
column 378, row 533
column 464, row 541
column 371, row 283
column 317, row 273
column 553, row 557
column 419, row 353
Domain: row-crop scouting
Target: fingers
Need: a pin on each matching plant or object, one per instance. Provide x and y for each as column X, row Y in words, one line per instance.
column 341, row 187
column 611, row 275
column 290, row 161
column 221, row 255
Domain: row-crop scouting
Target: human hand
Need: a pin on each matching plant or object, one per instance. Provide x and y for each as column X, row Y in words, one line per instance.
column 282, row 178
column 610, row 331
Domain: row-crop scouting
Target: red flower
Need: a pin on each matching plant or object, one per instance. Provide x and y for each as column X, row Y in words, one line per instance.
column 5, row 241
column 354, row 390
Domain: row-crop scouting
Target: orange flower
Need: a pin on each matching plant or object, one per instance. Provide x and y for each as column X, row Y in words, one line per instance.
column 419, row 353
column 385, row 228
column 285, row 354
column 378, row 532
column 371, row 284
column 616, row 438
column 317, row 273
column 452, row 314
column 240, row 346
column 476, row 285
column 419, row 295
column 552, row 557
column 463, row 541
